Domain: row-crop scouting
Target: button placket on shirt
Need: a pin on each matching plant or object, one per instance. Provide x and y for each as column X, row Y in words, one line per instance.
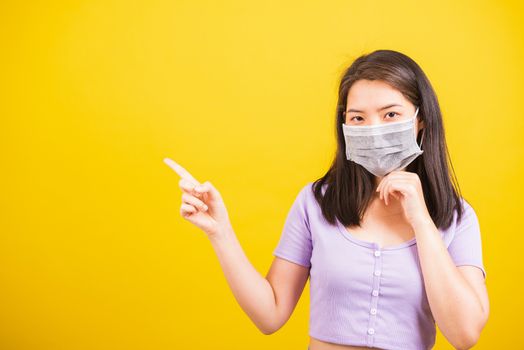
column 377, row 271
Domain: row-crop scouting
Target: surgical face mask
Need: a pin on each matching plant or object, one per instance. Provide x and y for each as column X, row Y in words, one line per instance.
column 382, row 148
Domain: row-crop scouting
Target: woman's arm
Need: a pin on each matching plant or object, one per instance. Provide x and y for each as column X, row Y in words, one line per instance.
column 270, row 301
column 457, row 295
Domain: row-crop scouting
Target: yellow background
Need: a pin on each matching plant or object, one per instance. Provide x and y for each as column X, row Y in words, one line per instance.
column 94, row 94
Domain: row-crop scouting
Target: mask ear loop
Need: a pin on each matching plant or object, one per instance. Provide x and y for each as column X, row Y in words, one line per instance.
column 423, row 130
column 422, row 138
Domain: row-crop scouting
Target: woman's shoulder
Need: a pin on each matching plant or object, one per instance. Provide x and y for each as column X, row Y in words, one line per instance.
column 306, row 196
column 306, row 191
column 467, row 217
column 468, row 212
column 310, row 186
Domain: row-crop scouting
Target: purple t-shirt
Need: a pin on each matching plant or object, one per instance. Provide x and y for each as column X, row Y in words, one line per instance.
column 364, row 295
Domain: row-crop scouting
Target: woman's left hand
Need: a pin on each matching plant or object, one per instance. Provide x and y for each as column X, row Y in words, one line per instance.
column 406, row 187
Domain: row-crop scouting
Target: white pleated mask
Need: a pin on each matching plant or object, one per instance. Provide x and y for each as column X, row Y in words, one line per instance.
column 382, row 148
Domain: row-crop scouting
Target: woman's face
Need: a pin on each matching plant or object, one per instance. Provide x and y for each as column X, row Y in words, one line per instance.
column 372, row 102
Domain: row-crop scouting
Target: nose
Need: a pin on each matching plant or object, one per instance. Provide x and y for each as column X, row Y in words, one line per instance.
column 374, row 120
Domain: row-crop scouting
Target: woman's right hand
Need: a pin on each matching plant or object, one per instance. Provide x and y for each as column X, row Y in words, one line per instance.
column 202, row 204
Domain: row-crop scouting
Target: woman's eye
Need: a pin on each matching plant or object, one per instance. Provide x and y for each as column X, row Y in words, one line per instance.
column 358, row 118
column 391, row 113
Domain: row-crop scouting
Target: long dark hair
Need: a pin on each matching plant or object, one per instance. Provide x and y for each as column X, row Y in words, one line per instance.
column 347, row 188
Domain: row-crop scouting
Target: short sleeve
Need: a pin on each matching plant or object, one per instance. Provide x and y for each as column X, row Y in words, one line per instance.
column 295, row 241
column 466, row 246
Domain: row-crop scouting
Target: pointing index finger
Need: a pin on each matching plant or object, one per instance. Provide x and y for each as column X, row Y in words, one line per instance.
column 183, row 173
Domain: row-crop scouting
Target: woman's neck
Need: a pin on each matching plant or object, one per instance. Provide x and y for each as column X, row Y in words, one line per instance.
column 379, row 207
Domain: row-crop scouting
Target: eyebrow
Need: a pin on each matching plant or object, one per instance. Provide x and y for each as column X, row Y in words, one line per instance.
column 385, row 107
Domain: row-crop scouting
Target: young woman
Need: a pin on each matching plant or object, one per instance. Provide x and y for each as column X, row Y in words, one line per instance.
column 389, row 245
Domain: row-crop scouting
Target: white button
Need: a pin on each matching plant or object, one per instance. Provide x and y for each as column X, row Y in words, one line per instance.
column 373, row 311
column 375, row 292
column 377, row 273
column 371, row 331
column 377, row 252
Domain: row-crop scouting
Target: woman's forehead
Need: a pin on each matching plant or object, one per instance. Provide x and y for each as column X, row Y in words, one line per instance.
column 373, row 95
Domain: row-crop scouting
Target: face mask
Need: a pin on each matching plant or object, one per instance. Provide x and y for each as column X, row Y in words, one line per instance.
column 382, row 148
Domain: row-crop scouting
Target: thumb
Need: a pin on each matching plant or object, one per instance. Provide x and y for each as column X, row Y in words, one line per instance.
column 207, row 187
